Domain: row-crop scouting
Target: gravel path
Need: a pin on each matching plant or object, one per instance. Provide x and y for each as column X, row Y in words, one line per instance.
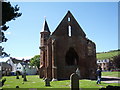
column 108, row 79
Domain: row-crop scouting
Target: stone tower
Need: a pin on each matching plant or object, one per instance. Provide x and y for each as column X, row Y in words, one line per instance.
column 45, row 34
column 65, row 50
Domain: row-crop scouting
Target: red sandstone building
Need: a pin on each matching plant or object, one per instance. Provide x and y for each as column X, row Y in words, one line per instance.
column 65, row 50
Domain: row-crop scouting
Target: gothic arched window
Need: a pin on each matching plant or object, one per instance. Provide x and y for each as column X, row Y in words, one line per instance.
column 71, row 57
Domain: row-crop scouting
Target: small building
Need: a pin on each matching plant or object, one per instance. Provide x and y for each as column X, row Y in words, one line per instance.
column 24, row 67
column 105, row 64
column 5, row 68
column 13, row 62
column 21, row 66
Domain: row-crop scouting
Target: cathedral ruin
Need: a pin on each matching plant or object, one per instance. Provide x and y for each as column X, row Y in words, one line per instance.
column 65, row 50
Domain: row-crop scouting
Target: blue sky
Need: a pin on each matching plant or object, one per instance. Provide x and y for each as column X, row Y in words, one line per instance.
column 99, row 20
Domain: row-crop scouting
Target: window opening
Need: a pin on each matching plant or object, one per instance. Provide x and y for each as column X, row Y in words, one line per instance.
column 71, row 57
column 68, row 19
column 69, row 31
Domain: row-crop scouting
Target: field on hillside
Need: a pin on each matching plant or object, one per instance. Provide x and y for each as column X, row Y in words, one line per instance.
column 35, row 82
column 107, row 55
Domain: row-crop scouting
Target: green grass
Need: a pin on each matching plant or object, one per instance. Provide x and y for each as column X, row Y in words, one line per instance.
column 112, row 74
column 107, row 55
column 35, row 82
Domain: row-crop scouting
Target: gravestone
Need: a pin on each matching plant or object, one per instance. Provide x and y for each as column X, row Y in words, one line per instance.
column 54, row 79
column 17, row 86
column 3, row 81
column 78, row 72
column 17, row 75
column 0, row 84
column 74, row 81
column 47, row 82
column 24, row 77
column 0, row 74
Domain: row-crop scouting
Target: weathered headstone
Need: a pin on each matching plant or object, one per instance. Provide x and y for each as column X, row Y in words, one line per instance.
column 3, row 81
column 47, row 82
column 0, row 74
column 78, row 72
column 0, row 84
column 24, row 77
column 54, row 79
column 74, row 81
column 17, row 75
column 17, row 86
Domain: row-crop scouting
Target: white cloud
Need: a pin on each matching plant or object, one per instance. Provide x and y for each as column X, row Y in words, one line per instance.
column 7, row 33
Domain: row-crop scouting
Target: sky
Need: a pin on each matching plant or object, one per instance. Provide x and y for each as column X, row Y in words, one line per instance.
column 99, row 20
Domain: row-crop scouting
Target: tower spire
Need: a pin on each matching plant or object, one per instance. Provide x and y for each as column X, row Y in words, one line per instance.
column 45, row 26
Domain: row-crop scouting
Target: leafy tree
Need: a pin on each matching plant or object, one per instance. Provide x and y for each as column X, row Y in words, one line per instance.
column 8, row 13
column 35, row 61
column 116, row 61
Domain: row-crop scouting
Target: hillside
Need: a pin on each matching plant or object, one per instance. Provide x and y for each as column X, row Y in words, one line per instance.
column 106, row 55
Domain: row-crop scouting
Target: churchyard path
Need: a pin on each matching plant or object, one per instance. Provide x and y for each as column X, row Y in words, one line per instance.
column 109, row 79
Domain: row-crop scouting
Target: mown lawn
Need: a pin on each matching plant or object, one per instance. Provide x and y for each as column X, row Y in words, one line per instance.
column 35, row 82
column 112, row 74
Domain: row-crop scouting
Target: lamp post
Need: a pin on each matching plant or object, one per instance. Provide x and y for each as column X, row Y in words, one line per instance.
column 24, row 75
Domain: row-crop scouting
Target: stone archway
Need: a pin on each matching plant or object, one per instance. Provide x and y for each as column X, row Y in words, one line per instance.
column 71, row 57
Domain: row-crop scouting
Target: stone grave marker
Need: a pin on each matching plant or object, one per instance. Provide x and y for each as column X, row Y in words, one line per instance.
column 17, row 75
column 17, row 86
column 0, row 84
column 78, row 72
column 74, row 81
column 47, row 82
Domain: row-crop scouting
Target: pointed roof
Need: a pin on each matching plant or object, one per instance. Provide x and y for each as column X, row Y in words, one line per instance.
column 45, row 27
column 69, row 20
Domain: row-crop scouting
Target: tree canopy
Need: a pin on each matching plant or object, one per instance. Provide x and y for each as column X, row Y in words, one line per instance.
column 117, row 61
column 35, row 61
column 9, row 13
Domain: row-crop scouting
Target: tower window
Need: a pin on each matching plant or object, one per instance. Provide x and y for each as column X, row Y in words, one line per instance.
column 68, row 19
column 69, row 31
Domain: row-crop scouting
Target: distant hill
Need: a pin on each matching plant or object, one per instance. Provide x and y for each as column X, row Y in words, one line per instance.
column 107, row 55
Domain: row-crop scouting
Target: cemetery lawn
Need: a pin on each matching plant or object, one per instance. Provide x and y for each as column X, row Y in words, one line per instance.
column 35, row 82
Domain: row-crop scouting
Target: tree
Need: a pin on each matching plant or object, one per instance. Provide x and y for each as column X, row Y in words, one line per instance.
column 116, row 61
column 35, row 61
column 8, row 13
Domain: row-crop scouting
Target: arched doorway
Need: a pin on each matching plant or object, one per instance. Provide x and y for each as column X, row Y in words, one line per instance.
column 71, row 57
